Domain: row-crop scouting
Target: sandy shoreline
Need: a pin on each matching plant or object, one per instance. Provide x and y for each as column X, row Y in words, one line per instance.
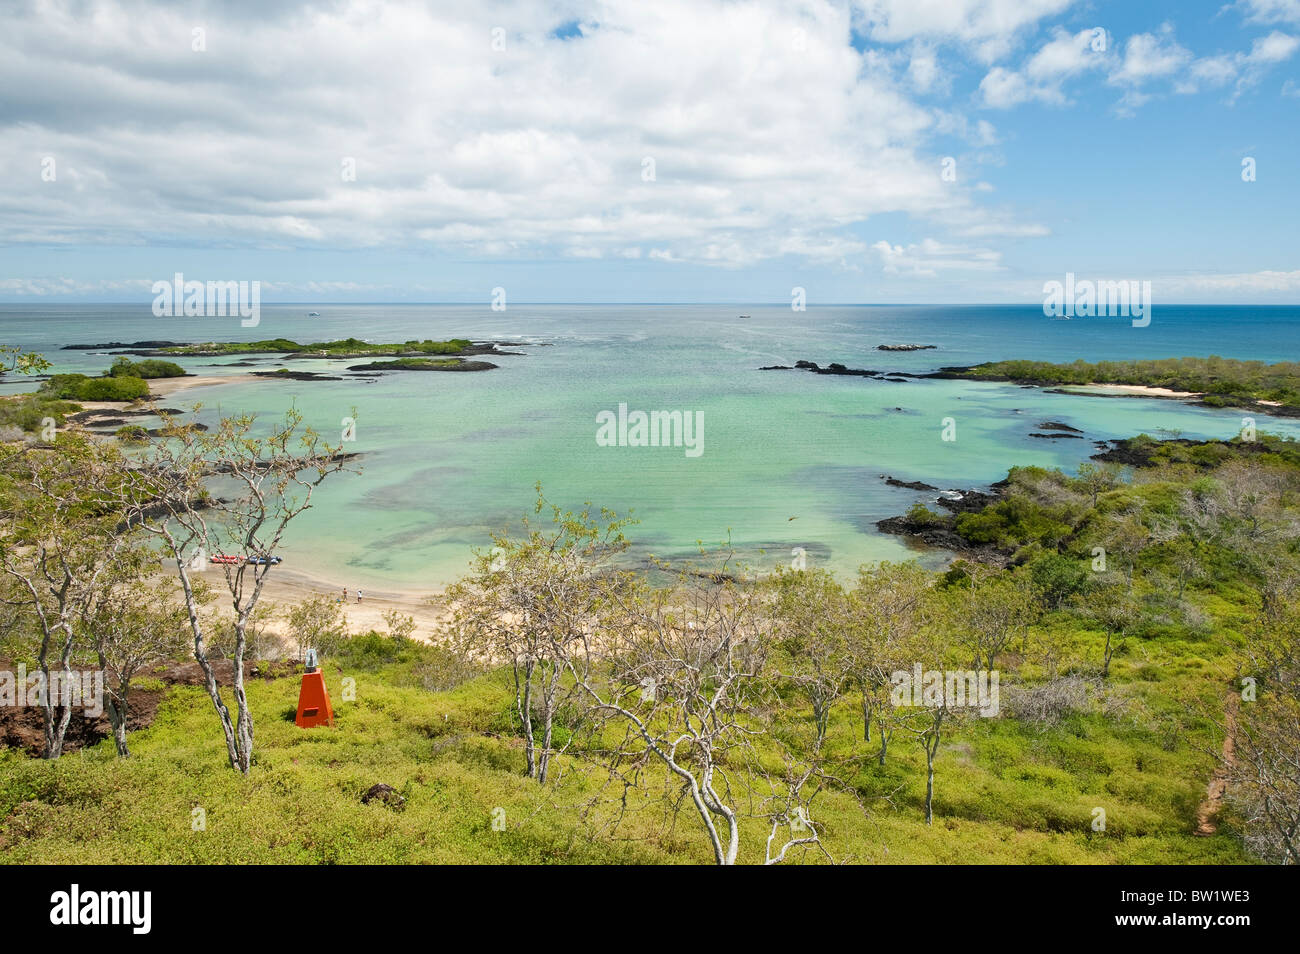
column 286, row 588
column 170, row 387
column 1140, row 390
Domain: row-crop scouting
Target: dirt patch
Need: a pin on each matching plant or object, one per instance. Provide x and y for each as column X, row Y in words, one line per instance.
column 23, row 727
column 1206, row 822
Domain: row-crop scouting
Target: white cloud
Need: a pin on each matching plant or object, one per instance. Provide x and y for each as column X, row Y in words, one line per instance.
column 1149, row 56
column 1002, row 88
column 1065, row 55
column 1069, row 54
column 923, row 68
column 989, row 26
column 1212, row 71
column 1270, row 11
column 929, row 258
column 1248, row 282
column 762, row 147
column 1273, row 48
column 1245, row 68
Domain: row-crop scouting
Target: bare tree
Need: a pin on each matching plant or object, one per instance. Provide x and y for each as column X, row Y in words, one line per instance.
column 933, row 707
column 1265, row 776
column 1114, row 608
column 132, row 626
column 685, row 673
column 992, row 614
column 890, row 603
column 530, row 602
column 203, row 493
column 811, row 616
column 61, row 544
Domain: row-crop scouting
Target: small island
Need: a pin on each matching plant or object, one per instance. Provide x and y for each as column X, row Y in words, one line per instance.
column 413, row 355
column 1210, row 382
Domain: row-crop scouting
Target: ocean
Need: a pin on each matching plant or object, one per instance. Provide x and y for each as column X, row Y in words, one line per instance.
column 787, row 459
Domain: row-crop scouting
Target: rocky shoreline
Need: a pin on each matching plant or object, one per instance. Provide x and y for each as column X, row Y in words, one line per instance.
column 966, row 373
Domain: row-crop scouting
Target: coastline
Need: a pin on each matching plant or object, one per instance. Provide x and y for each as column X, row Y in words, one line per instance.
column 1137, row 390
column 288, row 587
column 170, row 387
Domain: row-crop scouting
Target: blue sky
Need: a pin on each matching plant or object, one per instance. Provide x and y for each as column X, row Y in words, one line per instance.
column 511, row 144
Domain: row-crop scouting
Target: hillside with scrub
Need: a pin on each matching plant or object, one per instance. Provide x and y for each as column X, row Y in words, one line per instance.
column 574, row 709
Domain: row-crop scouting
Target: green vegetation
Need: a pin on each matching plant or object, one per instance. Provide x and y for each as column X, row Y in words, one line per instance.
column 131, row 434
column 80, row 387
column 124, row 381
column 147, row 369
column 1011, row 792
column 425, row 364
column 28, row 412
column 344, row 348
column 1222, row 382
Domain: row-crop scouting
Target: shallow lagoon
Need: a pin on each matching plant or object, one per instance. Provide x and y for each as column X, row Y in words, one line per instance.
column 450, row 456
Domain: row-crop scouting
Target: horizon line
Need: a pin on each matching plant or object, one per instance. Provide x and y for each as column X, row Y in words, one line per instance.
column 746, row 304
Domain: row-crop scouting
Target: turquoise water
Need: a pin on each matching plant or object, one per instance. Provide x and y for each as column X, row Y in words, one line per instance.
column 449, row 457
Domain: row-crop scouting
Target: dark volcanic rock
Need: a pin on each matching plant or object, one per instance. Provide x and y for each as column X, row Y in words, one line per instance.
column 909, row 484
column 834, row 368
column 906, row 347
column 384, row 794
column 393, row 366
column 123, row 344
column 1057, row 426
column 971, row 501
column 296, row 375
column 1076, row 437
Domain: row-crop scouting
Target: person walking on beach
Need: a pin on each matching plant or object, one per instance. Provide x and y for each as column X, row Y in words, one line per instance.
column 358, row 596
column 345, row 595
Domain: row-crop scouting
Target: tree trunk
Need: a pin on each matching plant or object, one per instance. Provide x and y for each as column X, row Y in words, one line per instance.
column 821, row 716
column 931, row 750
column 524, row 705
column 201, row 657
column 117, row 718
column 115, row 705
column 929, row 788
column 866, row 717
column 214, row 693
column 244, row 718
column 548, row 699
column 57, row 717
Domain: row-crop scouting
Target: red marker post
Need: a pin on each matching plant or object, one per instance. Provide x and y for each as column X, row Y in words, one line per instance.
column 313, row 699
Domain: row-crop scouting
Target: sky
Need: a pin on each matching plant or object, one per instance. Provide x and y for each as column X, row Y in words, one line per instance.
column 948, row 151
